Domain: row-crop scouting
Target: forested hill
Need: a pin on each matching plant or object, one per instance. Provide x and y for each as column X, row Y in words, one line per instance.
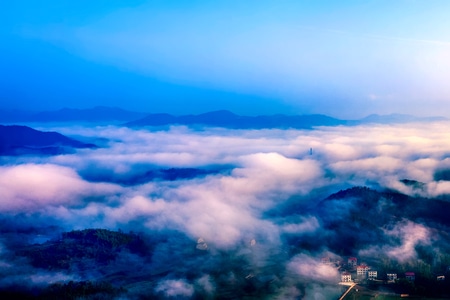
column 80, row 247
column 22, row 140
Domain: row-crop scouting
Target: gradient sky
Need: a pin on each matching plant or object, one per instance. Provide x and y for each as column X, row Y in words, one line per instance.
column 343, row 58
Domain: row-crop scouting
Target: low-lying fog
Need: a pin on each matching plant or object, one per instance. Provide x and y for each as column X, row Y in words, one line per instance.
column 236, row 197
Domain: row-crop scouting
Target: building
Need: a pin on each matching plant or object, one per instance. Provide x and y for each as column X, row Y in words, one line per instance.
column 362, row 270
column 411, row 276
column 352, row 261
column 372, row 275
column 391, row 276
column 346, row 277
column 440, row 277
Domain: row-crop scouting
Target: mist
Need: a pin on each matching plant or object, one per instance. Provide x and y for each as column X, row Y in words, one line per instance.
column 250, row 214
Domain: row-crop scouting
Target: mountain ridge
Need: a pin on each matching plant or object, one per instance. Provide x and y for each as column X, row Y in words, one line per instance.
column 23, row 140
column 218, row 118
column 227, row 119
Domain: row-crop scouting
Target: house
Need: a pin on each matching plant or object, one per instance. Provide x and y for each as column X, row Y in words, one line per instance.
column 352, row 261
column 391, row 276
column 411, row 276
column 440, row 277
column 346, row 277
column 362, row 270
column 372, row 275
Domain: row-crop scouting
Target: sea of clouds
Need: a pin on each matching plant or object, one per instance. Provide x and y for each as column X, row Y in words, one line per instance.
column 256, row 172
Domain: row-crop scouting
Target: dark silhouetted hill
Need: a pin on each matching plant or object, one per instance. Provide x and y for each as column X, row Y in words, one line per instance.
column 75, row 247
column 351, row 220
column 22, row 140
column 357, row 215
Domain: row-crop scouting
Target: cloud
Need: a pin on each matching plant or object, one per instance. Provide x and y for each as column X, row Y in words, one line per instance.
column 411, row 235
column 206, row 284
column 406, row 236
column 31, row 187
column 266, row 211
column 312, row 269
column 175, row 288
column 306, row 225
column 268, row 167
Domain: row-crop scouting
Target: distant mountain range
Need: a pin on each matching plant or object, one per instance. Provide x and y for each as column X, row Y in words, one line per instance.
column 22, row 140
column 220, row 118
column 398, row 118
column 227, row 119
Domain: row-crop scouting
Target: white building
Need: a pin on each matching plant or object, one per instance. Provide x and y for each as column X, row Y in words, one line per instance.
column 372, row 274
column 362, row 270
column 346, row 277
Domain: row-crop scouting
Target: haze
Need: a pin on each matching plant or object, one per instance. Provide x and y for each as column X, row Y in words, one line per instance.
column 346, row 59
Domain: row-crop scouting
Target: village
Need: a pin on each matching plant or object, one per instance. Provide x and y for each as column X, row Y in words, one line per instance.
column 356, row 274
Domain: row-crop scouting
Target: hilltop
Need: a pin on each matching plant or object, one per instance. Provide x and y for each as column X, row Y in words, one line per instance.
column 22, row 140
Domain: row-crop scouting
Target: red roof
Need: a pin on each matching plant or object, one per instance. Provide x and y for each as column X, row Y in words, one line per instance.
column 362, row 267
column 410, row 274
column 352, row 258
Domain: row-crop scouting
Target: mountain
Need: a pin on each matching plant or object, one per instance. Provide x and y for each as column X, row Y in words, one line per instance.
column 219, row 118
column 100, row 245
column 227, row 119
column 397, row 118
column 358, row 221
column 368, row 211
column 22, row 140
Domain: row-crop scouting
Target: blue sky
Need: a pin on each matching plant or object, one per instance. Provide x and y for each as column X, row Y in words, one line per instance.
column 342, row 58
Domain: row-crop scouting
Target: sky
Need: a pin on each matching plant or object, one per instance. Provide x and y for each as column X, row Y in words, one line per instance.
column 345, row 58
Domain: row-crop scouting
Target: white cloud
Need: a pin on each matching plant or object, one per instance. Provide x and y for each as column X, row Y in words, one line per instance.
column 31, row 187
column 306, row 225
column 270, row 166
column 312, row 269
column 271, row 173
column 409, row 235
column 175, row 288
